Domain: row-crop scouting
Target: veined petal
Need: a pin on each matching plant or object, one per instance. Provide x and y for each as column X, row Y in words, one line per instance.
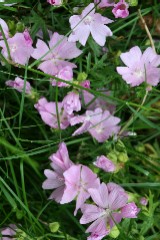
column 100, row 195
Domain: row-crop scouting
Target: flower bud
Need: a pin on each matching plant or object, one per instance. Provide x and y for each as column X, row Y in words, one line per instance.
column 82, row 76
column 114, row 233
column 123, row 157
column 54, row 227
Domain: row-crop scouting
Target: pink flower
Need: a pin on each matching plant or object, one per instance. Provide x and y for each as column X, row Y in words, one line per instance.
column 78, row 180
column 107, row 208
column 100, row 124
column 55, row 2
column 130, row 210
column 89, row 22
column 66, row 74
column 8, row 232
column 120, row 9
column 140, row 67
column 48, row 113
column 105, row 164
column 5, row 29
column 71, row 102
column 19, row 50
column 19, row 85
column 104, row 3
column 55, row 179
column 60, row 49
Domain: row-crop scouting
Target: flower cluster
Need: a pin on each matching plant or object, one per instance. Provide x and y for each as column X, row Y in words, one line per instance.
column 75, row 181
column 103, row 205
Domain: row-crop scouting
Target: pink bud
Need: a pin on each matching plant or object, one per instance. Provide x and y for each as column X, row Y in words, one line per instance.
column 105, row 164
column 85, row 84
column 130, row 210
column 144, row 201
column 120, row 9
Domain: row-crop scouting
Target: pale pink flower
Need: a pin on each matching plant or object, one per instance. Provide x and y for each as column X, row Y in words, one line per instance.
column 105, row 164
column 66, row 74
column 60, row 162
column 120, row 9
column 71, row 102
column 100, row 124
column 140, row 67
column 108, row 207
column 130, row 210
column 48, row 113
column 19, row 85
column 60, row 49
column 5, row 29
column 104, row 3
column 55, row 2
column 20, row 51
column 9, row 232
column 144, row 201
column 89, row 22
column 78, row 179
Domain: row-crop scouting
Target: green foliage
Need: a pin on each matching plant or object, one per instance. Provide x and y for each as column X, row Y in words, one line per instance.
column 26, row 143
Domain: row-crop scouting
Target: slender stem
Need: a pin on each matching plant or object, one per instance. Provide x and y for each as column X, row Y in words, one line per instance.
column 147, row 30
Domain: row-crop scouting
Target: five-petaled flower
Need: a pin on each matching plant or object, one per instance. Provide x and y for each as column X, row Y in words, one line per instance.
column 89, row 22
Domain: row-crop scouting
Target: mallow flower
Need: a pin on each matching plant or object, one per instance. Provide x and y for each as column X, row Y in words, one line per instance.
column 78, row 179
column 88, row 23
column 5, row 29
column 60, row 162
column 100, row 124
column 109, row 208
column 120, row 9
column 20, row 50
column 48, row 113
column 104, row 163
column 60, row 50
column 19, row 85
column 140, row 67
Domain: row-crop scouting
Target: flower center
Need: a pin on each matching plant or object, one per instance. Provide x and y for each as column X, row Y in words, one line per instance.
column 13, row 47
column 122, row 7
column 139, row 73
column 88, row 20
column 108, row 212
